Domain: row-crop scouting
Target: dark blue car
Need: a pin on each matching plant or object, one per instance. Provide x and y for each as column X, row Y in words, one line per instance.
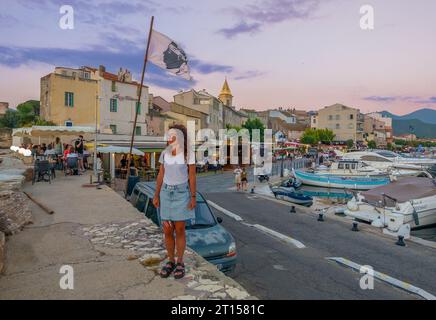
column 204, row 234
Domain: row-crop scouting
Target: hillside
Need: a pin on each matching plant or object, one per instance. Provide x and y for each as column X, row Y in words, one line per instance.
column 425, row 115
column 421, row 129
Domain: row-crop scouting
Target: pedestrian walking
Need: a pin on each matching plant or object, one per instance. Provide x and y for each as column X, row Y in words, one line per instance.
column 237, row 172
column 244, row 180
column 176, row 197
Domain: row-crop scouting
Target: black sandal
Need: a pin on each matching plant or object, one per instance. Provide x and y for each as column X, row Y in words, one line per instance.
column 167, row 269
column 179, row 271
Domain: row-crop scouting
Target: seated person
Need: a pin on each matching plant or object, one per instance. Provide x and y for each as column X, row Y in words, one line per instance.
column 49, row 151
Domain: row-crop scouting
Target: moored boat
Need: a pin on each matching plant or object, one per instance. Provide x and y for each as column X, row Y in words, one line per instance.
column 289, row 194
column 408, row 200
column 342, row 182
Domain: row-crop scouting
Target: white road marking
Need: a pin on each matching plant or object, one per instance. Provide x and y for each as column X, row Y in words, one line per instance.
column 385, row 278
column 277, row 235
column 225, row 211
column 259, row 227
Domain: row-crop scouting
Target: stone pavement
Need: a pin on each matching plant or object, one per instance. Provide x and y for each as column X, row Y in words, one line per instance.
column 115, row 252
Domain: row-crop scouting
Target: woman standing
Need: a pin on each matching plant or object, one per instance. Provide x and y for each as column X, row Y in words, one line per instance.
column 244, row 179
column 175, row 194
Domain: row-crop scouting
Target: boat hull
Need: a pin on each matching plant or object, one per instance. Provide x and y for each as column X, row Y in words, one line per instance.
column 330, row 181
column 291, row 196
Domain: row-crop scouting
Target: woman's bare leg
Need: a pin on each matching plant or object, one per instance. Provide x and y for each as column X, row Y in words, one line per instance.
column 168, row 228
column 180, row 240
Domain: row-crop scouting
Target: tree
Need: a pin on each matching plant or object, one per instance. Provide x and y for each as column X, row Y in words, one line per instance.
column 350, row 143
column 325, row 135
column 310, row 136
column 313, row 136
column 390, row 146
column 372, row 144
column 26, row 115
column 10, row 119
column 254, row 123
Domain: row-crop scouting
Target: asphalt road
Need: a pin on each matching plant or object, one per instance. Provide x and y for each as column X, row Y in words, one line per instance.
column 273, row 269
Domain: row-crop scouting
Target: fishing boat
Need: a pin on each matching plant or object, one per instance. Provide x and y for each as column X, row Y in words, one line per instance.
column 289, row 194
column 342, row 182
column 408, row 200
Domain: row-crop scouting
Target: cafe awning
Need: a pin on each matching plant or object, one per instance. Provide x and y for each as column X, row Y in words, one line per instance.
column 116, row 149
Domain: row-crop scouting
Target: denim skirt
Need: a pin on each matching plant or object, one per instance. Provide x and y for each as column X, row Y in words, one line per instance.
column 174, row 201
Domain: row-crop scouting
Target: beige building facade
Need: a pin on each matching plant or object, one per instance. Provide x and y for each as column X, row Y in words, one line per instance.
column 76, row 97
column 345, row 122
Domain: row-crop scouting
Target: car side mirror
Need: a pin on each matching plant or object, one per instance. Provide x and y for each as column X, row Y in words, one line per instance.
column 219, row 219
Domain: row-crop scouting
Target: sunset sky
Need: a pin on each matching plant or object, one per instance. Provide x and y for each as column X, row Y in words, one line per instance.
column 277, row 53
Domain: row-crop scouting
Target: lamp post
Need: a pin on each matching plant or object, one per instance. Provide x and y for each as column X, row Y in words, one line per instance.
column 96, row 132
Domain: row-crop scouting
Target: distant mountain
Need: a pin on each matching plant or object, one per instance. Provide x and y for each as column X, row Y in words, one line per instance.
column 422, row 122
column 420, row 129
column 425, row 115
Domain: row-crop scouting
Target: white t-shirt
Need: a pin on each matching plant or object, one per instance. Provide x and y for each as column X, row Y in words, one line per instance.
column 176, row 169
column 49, row 152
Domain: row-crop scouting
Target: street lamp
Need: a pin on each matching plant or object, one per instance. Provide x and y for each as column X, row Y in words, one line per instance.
column 97, row 98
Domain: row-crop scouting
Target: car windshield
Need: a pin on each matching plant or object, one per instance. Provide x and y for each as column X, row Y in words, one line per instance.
column 203, row 216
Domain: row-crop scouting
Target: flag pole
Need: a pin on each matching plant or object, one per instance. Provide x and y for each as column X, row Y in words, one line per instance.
column 139, row 102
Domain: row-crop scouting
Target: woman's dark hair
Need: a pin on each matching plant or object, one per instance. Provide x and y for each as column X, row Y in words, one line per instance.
column 182, row 128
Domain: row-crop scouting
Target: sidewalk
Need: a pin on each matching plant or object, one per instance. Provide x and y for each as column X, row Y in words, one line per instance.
column 114, row 251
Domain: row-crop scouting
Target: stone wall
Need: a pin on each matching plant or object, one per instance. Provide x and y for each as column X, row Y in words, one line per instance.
column 5, row 138
column 14, row 211
column 2, row 250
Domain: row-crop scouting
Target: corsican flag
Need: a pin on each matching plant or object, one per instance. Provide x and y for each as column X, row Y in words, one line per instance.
column 166, row 54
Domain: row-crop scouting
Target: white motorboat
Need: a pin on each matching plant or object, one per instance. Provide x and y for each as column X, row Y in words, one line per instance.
column 392, row 166
column 349, row 168
column 409, row 200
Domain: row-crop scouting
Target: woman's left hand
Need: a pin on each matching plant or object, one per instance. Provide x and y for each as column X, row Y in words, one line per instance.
column 192, row 203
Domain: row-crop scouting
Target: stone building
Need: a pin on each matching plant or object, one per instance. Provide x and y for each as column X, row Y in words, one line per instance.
column 75, row 97
column 345, row 122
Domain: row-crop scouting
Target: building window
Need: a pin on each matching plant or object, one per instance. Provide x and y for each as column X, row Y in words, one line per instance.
column 138, row 131
column 114, row 86
column 113, row 128
column 69, row 99
column 86, row 75
column 330, row 117
column 68, row 123
column 138, row 107
column 351, row 116
column 113, row 105
column 338, row 126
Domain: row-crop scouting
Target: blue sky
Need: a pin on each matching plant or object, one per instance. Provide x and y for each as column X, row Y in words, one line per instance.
column 290, row 53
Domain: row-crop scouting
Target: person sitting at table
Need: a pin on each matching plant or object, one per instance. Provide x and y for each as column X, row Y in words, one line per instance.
column 50, row 151
column 66, row 151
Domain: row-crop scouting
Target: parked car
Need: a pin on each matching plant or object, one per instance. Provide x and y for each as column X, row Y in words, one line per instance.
column 204, row 234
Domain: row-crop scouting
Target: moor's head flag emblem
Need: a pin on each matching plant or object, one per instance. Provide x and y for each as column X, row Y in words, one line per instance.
column 166, row 54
